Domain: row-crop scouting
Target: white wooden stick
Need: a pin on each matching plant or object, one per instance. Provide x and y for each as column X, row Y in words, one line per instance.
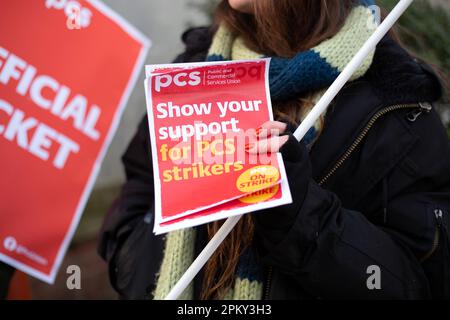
column 351, row 68
column 306, row 124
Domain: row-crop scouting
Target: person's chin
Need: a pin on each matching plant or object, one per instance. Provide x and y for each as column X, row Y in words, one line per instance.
column 245, row 8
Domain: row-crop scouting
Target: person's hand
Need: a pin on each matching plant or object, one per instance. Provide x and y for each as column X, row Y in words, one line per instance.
column 270, row 138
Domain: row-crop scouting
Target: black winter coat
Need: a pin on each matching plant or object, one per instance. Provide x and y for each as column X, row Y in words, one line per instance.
column 374, row 191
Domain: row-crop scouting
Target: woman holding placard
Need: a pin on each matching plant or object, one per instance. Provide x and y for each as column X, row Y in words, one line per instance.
column 370, row 181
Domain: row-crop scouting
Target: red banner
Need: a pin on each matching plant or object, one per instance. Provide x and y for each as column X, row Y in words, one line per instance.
column 66, row 71
column 201, row 116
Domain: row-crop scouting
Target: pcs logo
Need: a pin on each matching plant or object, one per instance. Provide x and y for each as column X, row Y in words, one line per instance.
column 78, row 17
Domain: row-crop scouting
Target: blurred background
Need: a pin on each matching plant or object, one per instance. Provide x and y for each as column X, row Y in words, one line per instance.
column 424, row 30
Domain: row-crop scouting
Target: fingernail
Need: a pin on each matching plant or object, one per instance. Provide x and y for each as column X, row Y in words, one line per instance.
column 249, row 146
column 258, row 130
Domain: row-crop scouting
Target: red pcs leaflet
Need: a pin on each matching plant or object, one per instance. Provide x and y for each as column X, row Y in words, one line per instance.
column 201, row 116
column 67, row 69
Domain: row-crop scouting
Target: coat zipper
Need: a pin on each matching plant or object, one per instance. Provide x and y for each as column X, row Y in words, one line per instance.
column 438, row 215
column 412, row 116
column 268, row 283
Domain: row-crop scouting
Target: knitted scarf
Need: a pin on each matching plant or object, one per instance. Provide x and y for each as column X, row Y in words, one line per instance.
column 309, row 71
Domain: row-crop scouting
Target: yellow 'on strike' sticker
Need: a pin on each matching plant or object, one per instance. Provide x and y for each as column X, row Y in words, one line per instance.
column 261, row 195
column 257, row 178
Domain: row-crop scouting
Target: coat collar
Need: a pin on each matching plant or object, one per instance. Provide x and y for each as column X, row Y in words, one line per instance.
column 394, row 78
